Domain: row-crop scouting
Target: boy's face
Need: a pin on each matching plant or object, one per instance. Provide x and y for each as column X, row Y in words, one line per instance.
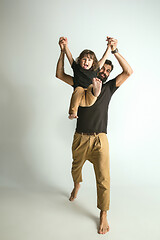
column 86, row 62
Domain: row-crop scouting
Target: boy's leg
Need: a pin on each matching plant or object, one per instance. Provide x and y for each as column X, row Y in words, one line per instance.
column 88, row 99
column 97, row 85
column 91, row 94
column 77, row 95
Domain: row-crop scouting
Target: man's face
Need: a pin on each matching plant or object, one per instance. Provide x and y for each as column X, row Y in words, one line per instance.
column 103, row 74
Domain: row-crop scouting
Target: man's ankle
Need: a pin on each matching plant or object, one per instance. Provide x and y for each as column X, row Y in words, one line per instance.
column 76, row 184
column 103, row 212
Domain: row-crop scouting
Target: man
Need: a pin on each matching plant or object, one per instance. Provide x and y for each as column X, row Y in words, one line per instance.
column 90, row 139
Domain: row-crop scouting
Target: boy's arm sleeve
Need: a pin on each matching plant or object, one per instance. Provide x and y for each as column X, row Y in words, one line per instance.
column 74, row 66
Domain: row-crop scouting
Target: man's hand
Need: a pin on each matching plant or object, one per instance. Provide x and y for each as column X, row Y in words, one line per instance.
column 112, row 42
column 63, row 42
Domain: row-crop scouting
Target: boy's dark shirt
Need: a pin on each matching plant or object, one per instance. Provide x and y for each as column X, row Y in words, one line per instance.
column 83, row 77
column 95, row 118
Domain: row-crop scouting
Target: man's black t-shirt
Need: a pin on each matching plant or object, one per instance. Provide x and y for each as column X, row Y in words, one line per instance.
column 83, row 77
column 95, row 118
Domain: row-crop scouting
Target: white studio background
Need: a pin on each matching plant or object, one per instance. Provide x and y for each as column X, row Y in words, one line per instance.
column 35, row 133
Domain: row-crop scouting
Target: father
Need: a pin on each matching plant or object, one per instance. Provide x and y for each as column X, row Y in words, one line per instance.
column 90, row 139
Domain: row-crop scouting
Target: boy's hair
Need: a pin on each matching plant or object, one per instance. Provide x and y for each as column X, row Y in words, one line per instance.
column 92, row 55
column 108, row 62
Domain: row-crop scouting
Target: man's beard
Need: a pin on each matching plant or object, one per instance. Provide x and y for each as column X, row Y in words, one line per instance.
column 102, row 77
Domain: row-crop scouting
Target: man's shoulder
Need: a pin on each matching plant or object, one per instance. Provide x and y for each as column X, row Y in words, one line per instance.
column 111, row 85
column 109, row 82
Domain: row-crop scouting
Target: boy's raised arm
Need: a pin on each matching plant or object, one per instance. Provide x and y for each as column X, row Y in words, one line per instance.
column 60, row 66
column 67, row 51
column 105, row 55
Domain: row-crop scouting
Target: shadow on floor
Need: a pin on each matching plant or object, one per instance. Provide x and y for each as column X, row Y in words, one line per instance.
column 77, row 207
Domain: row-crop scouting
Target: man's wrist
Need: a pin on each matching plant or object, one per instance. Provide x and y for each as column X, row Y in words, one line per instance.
column 114, row 51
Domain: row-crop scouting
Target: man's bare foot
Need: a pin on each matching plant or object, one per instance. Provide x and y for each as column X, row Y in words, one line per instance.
column 74, row 192
column 104, row 226
column 97, row 85
column 72, row 116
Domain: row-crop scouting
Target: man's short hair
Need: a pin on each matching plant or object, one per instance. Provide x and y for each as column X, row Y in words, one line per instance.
column 108, row 62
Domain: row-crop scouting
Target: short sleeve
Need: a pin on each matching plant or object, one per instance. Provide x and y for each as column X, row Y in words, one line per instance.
column 112, row 85
column 74, row 65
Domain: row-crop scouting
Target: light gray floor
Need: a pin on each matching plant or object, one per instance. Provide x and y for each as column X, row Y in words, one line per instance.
column 48, row 215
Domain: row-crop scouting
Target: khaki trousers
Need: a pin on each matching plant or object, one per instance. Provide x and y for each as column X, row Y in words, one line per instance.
column 81, row 97
column 94, row 148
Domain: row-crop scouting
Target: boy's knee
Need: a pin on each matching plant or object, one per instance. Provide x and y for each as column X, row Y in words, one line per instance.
column 79, row 89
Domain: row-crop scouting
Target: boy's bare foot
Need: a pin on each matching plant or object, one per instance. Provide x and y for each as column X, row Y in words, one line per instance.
column 74, row 192
column 72, row 116
column 97, row 85
column 104, row 226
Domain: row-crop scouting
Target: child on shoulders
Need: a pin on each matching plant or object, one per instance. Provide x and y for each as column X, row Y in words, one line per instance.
column 87, row 87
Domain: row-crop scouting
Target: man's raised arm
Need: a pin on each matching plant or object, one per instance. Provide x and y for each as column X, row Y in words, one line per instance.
column 101, row 62
column 127, row 70
column 60, row 66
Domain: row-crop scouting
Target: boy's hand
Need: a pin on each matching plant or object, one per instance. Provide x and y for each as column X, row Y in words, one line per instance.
column 108, row 40
column 112, row 42
column 63, row 42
